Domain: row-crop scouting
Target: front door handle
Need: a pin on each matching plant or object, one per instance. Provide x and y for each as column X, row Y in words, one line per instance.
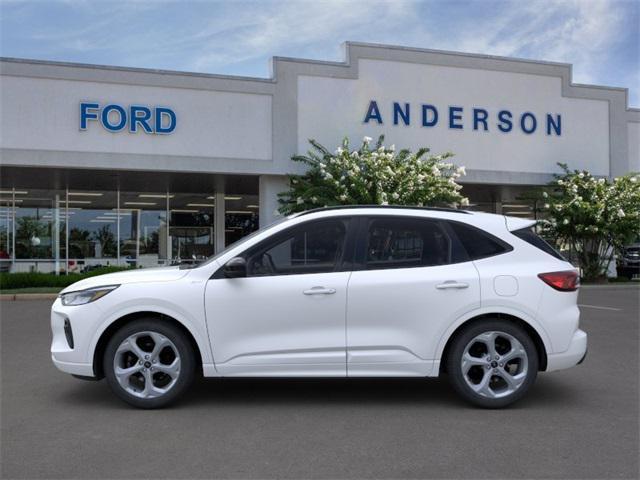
column 320, row 291
column 452, row 284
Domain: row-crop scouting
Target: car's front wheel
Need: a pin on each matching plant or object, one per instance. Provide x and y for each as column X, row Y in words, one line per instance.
column 149, row 363
column 492, row 363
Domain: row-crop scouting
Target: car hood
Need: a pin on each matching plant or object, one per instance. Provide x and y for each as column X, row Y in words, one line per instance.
column 160, row 274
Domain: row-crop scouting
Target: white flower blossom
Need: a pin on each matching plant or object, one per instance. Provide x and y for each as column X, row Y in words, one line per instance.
column 461, row 170
column 299, row 201
column 343, row 197
column 314, row 199
column 367, row 140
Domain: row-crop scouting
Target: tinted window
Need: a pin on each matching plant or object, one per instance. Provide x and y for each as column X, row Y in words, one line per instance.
column 314, row 247
column 478, row 243
column 405, row 243
column 530, row 236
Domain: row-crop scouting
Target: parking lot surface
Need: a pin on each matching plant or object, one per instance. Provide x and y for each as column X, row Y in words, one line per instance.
column 578, row 423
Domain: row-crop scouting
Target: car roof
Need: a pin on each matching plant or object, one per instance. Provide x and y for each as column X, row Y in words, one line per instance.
column 492, row 222
column 385, row 207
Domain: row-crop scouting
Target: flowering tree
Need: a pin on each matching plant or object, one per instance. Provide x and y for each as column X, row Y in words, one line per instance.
column 372, row 175
column 595, row 217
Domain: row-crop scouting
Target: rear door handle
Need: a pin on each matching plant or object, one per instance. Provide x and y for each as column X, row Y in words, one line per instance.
column 452, row 284
column 320, row 291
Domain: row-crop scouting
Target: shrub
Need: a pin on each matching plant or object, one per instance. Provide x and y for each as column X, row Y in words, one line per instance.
column 10, row 281
column 594, row 217
column 372, row 175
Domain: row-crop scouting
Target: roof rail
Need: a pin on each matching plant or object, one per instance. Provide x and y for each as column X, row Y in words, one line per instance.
column 403, row 207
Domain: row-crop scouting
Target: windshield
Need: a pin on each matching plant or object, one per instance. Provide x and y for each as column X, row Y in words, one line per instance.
column 234, row 245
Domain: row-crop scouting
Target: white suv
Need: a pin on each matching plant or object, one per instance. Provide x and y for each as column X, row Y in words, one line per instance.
column 335, row 292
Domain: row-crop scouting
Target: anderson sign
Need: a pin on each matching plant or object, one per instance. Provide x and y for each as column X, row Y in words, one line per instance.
column 461, row 118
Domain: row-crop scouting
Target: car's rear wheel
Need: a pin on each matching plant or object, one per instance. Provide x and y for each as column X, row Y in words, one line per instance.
column 149, row 363
column 492, row 363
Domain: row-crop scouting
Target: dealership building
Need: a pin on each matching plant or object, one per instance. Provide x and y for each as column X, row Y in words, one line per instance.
column 124, row 166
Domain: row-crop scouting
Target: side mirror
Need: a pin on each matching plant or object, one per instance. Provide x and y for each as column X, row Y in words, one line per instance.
column 235, row 268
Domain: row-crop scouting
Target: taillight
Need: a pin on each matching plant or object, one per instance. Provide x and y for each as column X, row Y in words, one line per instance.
column 568, row 281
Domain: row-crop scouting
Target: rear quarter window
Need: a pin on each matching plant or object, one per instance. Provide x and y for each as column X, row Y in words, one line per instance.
column 478, row 243
column 530, row 236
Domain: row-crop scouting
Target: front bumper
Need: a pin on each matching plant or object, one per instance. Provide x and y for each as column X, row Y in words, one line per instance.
column 70, row 351
column 574, row 355
column 82, row 369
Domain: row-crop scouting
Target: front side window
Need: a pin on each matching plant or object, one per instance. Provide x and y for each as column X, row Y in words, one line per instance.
column 406, row 243
column 314, row 247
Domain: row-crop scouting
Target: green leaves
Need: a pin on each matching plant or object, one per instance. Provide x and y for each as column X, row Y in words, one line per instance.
column 593, row 216
column 372, row 174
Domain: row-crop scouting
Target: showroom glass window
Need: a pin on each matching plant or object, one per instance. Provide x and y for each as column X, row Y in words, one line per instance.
column 313, row 247
column 406, row 243
column 241, row 216
column 6, row 229
column 40, row 227
column 191, row 227
column 144, row 231
column 92, row 229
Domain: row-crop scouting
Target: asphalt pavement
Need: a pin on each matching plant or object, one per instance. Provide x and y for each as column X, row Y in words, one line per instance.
column 578, row 423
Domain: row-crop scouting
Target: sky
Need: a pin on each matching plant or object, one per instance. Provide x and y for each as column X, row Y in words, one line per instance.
column 600, row 38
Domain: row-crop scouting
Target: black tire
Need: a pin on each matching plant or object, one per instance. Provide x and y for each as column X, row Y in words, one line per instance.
column 456, row 351
column 184, row 349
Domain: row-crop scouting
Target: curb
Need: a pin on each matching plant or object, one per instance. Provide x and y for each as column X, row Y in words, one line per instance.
column 28, row 296
column 629, row 286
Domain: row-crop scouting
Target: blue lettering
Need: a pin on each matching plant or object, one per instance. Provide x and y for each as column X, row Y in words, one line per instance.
column 455, row 113
column 505, row 125
column 399, row 112
column 557, row 125
column 105, row 118
column 425, row 115
column 170, row 114
column 139, row 115
column 480, row 115
column 86, row 114
column 523, row 123
column 373, row 113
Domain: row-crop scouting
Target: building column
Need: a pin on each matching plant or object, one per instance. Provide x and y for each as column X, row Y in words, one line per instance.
column 269, row 188
column 219, row 220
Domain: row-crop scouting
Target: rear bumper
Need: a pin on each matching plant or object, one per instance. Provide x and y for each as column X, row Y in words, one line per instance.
column 574, row 355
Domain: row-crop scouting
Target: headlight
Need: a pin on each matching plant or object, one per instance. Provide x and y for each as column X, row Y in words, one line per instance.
column 85, row 296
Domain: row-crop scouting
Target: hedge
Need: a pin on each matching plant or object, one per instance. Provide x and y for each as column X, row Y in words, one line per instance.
column 36, row 279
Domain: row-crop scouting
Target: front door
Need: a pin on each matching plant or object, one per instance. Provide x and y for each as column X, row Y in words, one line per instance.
column 287, row 317
column 412, row 284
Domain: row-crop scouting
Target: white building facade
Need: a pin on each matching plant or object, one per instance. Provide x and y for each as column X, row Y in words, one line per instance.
column 119, row 166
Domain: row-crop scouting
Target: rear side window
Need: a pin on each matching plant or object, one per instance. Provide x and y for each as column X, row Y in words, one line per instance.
column 478, row 243
column 530, row 236
column 406, row 243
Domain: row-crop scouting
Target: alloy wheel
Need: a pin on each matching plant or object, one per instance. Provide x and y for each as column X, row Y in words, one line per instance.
column 494, row 364
column 147, row 364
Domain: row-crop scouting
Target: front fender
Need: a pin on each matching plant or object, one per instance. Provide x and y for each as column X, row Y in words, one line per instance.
column 196, row 327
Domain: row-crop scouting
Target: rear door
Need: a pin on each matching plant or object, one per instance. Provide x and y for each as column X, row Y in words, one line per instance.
column 412, row 280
